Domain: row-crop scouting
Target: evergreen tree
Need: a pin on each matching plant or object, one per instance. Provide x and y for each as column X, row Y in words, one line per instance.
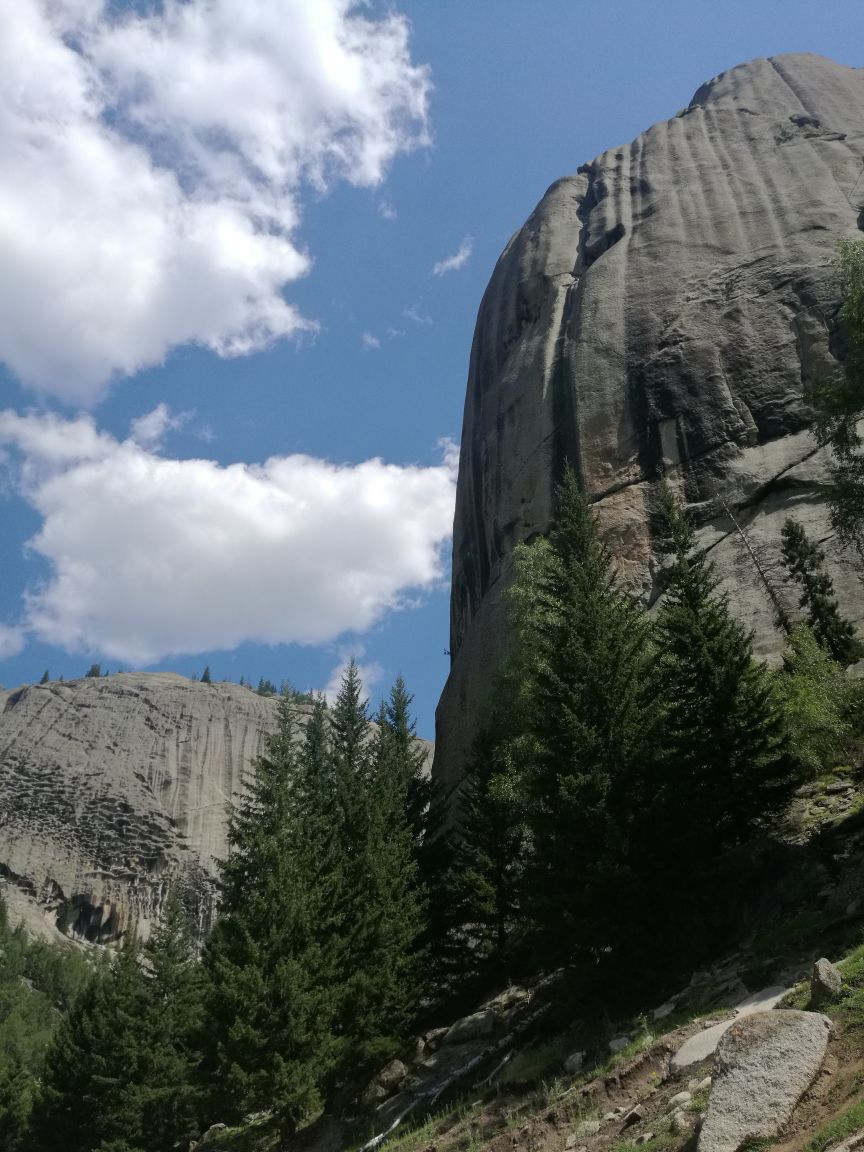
column 805, row 562
column 45, row 677
column 269, row 1009
column 98, row 1066
column 820, row 703
column 839, row 404
column 586, row 652
column 723, row 767
column 205, row 676
column 119, row 1074
column 94, row 672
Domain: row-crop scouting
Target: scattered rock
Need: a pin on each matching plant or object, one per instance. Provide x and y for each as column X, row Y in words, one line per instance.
column 574, row 1063
column 572, row 1144
column 677, row 1100
column 826, row 983
column 386, row 1082
column 634, row 1116
column 704, row 1044
column 471, row 1027
column 619, row 1044
column 851, row 1143
column 664, row 1010
column 837, row 787
column 681, row 1122
column 704, row 1085
column 644, row 1138
column 433, row 1040
column 587, row 1128
column 764, row 1064
column 210, row 1135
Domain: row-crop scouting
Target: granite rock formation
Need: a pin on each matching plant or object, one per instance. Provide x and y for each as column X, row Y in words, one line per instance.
column 664, row 311
column 111, row 789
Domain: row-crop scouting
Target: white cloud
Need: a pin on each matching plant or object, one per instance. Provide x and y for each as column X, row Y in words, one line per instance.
column 149, row 430
column 12, row 641
column 417, row 316
column 370, row 341
column 153, row 166
column 457, row 260
column 387, row 210
column 152, row 556
column 370, row 674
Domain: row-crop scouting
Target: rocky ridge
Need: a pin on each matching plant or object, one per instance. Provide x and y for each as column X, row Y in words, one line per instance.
column 664, row 311
column 112, row 788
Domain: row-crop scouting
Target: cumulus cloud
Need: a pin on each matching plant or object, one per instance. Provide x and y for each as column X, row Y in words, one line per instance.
column 151, row 556
column 457, row 260
column 11, row 641
column 370, row 673
column 154, row 164
column 370, row 341
column 149, row 430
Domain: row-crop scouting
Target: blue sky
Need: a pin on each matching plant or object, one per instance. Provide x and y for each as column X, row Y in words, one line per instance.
column 231, row 376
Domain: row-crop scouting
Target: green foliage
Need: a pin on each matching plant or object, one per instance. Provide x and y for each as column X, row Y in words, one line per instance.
column 205, row 676
column 805, row 562
column 93, row 672
column 724, row 765
column 313, row 969
column 45, row 677
column 37, row 983
column 587, row 649
column 839, row 403
column 818, row 701
column 119, row 1072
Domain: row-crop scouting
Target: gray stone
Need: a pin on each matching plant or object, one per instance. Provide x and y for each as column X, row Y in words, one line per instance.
column 826, row 983
column 762, row 1067
column 664, row 1010
column 572, row 1142
column 587, row 1128
column 634, row 1116
column 114, row 787
column 665, row 308
column 680, row 1122
column 704, row 1043
column 618, row 1044
column 644, row 1138
column 210, row 1135
column 574, row 1063
column 679, row 1099
column 472, row 1027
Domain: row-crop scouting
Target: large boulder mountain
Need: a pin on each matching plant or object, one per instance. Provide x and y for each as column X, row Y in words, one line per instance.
column 664, row 311
column 112, row 788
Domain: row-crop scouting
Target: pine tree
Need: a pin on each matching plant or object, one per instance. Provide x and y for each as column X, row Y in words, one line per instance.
column 805, row 562
column 268, row 1007
column 586, row 653
column 45, row 677
column 723, row 767
column 205, row 676
column 98, row 1065
column 94, row 672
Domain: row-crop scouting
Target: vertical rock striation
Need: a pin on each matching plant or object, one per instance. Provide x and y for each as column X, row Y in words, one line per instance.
column 663, row 311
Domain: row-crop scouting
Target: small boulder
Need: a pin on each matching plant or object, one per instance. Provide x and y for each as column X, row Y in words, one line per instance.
column 574, row 1063
column 664, row 1010
column 677, row 1101
column 634, row 1116
column 763, row 1065
column 469, row 1028
column 587, row 1128
column 572, row 1144
column 826, row 983
column 644, row 1138
column 681, row 1122
column 618, row 1044
column 210, row 1135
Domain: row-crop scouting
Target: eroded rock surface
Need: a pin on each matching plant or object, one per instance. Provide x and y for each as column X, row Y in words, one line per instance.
column 110, row 788
column 763, row 1066
column 664, row 311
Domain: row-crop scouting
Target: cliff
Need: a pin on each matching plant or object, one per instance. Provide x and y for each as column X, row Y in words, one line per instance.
column 664, row 311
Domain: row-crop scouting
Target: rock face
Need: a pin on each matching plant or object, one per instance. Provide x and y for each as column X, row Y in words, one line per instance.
column 110, row 788
column 763, row 1066
column 663, row 311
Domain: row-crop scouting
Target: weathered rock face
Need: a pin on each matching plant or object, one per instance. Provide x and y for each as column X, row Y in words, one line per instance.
column 110, row 788
column 663, row 311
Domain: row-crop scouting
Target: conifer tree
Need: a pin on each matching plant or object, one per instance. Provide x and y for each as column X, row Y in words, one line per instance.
column 723, row 766
column 269, row 1011
column 805, row 562
column 205, row 676
column 45, row 677
column 587, row 651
